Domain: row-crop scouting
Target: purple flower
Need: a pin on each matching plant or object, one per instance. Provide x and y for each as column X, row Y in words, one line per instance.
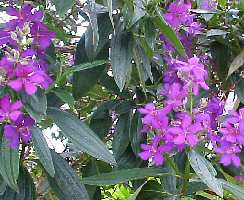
column 208, row 5
column 26, row 14
column 27, row 78
column 228, row 153
column 21, row 129
column 232, row 134
column 178, row 14
column 42, row 37
column 154, row 118
column 193, row 73
column 186, row 133
column 175, row 94
column 8, row 110
column 236, row 119
column 155, row 150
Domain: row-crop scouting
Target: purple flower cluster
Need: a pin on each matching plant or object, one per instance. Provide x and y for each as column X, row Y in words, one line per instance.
column 23, row 68
column 178, row 123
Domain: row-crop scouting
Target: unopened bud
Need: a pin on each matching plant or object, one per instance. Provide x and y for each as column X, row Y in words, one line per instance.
column 14, row 36
column 26, row 29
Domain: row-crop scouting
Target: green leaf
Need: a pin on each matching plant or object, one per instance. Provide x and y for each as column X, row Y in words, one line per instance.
column 236, row 63
column 62, row 6
column 65, row 96
column 89, row 77
column 135, row 133
column 83, row 66
column 205, row 171
column 9, row 165
column 169, row 33
column 110, row 11
column 94, row 167
column 234, row 189
column 215, row 32
column 150, row 31
column 42, row 150
column 101, row 121
column 2, row 186
column 143, row 64
column 121, row 135
column 239, row 90
column 36, row 104
column 121, row 55
column 121, row 176
column 26, row 186
column 221, row 57
column 81, row 136
column 65, row 183
column 92, row 35
column 138, row 190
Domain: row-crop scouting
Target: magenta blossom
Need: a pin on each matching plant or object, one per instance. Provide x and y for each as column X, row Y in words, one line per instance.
column 155, row 150
column 154, row 118
column 8, row 110
column 21, row 129
column 178, row 14
column 193, row 73
column 186, row 133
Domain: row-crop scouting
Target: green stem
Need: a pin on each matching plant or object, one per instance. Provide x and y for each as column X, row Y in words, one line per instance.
column 191, row 102
column 186, row 177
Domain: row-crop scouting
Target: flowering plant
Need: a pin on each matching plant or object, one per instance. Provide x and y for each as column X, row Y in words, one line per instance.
column 144, row 99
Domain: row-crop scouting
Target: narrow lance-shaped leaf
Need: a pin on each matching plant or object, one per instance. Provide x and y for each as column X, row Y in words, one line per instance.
column 26, row 186
column 234, row 189
column 124, row 175
column 81, row 136
column 236, row 63
column 169, row 33
column 121, row 55
column 62, row 6
column 42, row 150
column 66, row 183
column 9, row 164
column 205, row 171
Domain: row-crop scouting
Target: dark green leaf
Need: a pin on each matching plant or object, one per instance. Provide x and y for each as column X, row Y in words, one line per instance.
column 2, row 186
column 121, row 135
column 92, row 35
column 121, row 55
column 65, row 96
column 121, row 176
column 150, row 32
column 101, row 121
column 62, row 6
column 26, row 186
column 85, row 80
column 9, row 164
column 143, row 64
column 236, row 63
column 151, row 190
column 205, row 171
column 135, row 133
column 221, row 58
column 169, row 33
column 239, row 90
column 134, row 196
column 234, row 189
column 36, row 104
column 42, row 150
column 66, row 183
column 81, row 136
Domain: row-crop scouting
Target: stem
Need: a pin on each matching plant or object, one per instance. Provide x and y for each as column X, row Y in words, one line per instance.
column 191, row 101
column 186, row 177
